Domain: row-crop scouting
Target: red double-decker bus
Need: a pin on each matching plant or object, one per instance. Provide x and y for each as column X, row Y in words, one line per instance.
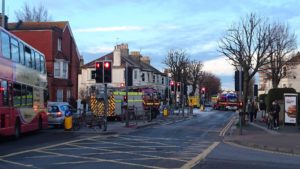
column 23, row 87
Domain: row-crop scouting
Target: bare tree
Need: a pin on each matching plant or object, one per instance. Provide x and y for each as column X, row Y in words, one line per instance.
column 282, row 50
column 177, row 61
column 211, row 83
column 195, row 73
column 247, row 45
column 33, row 14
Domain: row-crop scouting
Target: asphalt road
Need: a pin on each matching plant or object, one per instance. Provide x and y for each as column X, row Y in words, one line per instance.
column 194, row 143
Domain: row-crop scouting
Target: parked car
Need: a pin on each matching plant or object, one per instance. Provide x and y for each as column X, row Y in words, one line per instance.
column 56, row 112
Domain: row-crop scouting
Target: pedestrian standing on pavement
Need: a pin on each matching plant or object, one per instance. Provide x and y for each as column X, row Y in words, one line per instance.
column 249, row 110
column 275, row 109
column 262, row 108
column 254, row 109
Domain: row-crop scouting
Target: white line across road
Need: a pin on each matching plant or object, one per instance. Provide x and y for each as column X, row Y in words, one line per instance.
column 197, row 159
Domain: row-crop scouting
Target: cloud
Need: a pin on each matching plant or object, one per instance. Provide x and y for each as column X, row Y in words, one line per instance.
column 208, row 47
column 219, row 67
column 110, row 29
column 99, row 49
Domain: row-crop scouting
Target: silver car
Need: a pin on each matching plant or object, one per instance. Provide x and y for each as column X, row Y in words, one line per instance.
column 56, row 112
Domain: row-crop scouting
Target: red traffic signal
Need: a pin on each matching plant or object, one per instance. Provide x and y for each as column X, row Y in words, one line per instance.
column 107, row 71
column 99, row 72
column 178, row 86
column 171, row 83
column 203, row 90
column 125, row 98
column 107, row 64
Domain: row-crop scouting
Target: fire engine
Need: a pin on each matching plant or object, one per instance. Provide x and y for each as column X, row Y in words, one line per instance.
column 227, row 101
column 141, row 99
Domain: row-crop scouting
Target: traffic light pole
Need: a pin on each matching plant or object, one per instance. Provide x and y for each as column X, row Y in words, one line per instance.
column 126, row 83
column 105, row 107
column 241, row 114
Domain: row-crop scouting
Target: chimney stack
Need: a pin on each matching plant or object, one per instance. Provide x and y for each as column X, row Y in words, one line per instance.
column 5, row 21
column 145, row 59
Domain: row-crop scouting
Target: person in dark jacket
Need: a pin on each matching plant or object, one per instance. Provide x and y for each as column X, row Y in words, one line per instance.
column 275, row 109
column 262, row 108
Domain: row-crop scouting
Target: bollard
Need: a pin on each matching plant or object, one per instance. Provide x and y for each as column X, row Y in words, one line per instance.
column 68, row 122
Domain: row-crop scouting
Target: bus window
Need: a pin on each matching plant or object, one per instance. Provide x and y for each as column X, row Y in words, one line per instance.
column 37, row 61
column 5, row 45
column 22, row 57
column 42, row 64
column 29, row 95
column 33, row 60
column 28, row 57
column 3, row 93
column 17, row 95
column 14, row 48
column 23, row 93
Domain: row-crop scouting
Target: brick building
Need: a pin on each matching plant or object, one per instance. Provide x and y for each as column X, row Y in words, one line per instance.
column 56, row 41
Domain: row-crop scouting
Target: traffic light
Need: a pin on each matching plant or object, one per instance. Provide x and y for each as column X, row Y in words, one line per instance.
column 203, row 90
column 237, row 80
column 172, row 85
column 255, row 90
column 107, row 71
column 130, row 71
column 125, row 98
column 178, row 86
column 99, row 72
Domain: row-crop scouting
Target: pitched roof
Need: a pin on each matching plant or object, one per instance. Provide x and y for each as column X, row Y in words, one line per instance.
column 132, row 62
column 36, row 25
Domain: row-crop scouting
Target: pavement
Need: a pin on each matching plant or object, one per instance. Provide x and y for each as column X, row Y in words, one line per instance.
column 256, row 135
column 119, row 127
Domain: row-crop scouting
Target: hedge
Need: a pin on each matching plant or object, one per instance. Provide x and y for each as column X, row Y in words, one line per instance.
column 277, row 94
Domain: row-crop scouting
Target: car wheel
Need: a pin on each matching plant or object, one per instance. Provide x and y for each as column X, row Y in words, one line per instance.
column 17, row 129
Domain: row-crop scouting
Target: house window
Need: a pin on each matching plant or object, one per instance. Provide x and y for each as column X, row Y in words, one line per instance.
column 143, row 77
column 61, row 69
column 59, row 95
column 59, row 44
column 162, row 80
column 68, row 94
column 93, row 74
column 284, row 85
column 148, row 77
column 153, row 78
column 135, row 74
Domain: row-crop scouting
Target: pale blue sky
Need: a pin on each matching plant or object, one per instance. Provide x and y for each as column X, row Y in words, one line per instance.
column 156, row 26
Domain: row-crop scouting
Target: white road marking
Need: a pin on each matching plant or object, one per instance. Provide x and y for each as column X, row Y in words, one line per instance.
column 127, row 152
column 47, row 147
column 19, row 164
column 97, row 160
column 197, row 159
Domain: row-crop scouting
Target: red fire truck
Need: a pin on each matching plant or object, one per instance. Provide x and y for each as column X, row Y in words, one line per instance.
column 227, row 101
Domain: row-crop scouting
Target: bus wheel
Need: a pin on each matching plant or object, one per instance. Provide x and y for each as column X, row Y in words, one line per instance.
column 40, row 123
column 17, row 129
